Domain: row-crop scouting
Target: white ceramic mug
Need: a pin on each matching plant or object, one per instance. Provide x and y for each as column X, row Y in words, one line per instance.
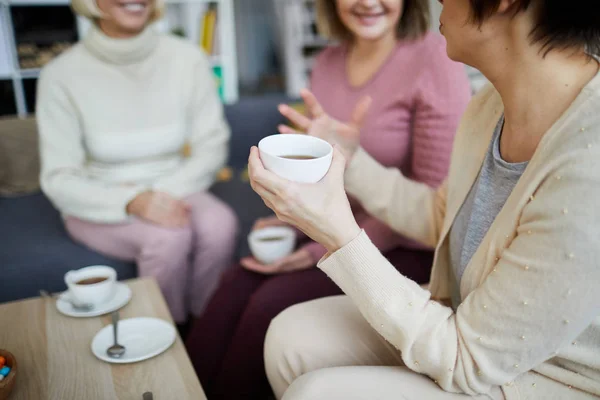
column 269, row 251
column 95, row 293
column 274, row 148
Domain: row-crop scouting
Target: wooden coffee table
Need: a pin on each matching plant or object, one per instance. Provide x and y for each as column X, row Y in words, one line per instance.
column 55, row 360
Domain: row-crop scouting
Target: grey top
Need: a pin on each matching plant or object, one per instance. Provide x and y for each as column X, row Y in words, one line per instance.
column 486, row 198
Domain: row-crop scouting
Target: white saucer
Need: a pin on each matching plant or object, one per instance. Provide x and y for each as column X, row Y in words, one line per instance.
column 143, row 338
column 121, row 297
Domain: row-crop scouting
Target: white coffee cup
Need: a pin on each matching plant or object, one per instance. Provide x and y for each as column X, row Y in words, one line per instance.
column 273, row 150
column 271, row 244
column 95, row 293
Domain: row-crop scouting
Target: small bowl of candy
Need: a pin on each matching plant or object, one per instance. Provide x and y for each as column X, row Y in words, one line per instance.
column 8, row 373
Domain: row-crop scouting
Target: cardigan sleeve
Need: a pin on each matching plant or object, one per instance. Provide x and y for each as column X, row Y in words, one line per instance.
column 410, row 208
column 62, row 156
column 441, row 97
column 382, row 236
column 208, row 138
column 546, row 280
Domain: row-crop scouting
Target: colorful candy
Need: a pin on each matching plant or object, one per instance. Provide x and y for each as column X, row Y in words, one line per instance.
column 2, row 361
column 1, row 377
column 4, row 371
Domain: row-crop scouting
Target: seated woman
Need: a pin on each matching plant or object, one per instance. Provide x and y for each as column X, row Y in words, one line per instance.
column 114, row 114
column 418, row 95
column 512, row 307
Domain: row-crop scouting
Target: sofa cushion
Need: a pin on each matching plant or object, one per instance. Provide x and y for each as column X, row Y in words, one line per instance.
column 36, row 252
column 19, row 160
column 251, row 119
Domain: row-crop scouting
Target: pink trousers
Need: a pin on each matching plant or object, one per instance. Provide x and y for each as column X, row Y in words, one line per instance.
column 186, row 262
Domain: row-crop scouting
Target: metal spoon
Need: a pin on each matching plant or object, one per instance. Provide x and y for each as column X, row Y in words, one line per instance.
column 116, row 350
column 80, row 307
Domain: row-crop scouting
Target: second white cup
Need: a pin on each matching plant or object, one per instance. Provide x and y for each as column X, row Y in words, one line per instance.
column 271, row 244
column 91, row 285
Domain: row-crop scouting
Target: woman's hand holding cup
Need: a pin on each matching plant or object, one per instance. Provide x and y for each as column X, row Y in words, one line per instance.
column 346, row 136
column 321, row 210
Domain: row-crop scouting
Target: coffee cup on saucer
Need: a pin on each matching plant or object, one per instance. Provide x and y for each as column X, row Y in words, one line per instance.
column 296, row 157
column 91, row 285
column 271, row 244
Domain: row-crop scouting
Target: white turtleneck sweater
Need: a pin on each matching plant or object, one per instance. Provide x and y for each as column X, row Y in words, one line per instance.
column 113, row 117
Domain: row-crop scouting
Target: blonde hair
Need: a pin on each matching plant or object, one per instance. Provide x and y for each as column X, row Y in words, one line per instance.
column 413, row 23
column 90, row 10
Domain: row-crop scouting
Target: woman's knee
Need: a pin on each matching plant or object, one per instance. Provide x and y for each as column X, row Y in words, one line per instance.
column 277, row 339
column 215, row 223
column 314, row 385
column 285, row 337
column 166, row 247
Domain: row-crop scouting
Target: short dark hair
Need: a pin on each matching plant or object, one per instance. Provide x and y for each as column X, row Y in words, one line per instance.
column 413, row 23
column 561, row 24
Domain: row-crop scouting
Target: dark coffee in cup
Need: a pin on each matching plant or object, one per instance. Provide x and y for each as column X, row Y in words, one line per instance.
column 91, row 281
column 299, row 157
column 271, row 238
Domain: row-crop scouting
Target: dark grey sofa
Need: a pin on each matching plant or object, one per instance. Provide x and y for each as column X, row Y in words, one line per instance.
column 35, row 251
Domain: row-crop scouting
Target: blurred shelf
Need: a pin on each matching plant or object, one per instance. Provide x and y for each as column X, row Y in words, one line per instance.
column 300, row 42
column 68, row 2
column 39, row 2
column 215, row 60
column 30, row 73
column 315, row 41
column 191, row 1
column 29, row 32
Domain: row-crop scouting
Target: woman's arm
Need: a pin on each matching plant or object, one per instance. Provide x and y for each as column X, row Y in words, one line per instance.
column 381, row 235
column 208, row 141
column 62, row 154
column 545, row 281
column 410, row 208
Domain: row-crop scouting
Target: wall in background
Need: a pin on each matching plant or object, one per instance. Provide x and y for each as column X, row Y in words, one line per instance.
column 255, row 34
column 436, row 9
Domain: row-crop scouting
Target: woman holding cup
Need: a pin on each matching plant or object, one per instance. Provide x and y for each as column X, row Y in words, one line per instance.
column 512, row 306
column 414, row 96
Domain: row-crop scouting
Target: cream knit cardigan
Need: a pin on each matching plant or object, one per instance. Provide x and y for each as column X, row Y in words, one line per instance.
column 529, row 319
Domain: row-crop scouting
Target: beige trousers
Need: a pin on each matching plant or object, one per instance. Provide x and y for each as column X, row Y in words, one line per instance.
column 325, row 350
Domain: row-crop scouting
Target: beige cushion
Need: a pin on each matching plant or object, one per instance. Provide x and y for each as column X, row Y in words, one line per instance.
column 19, row 157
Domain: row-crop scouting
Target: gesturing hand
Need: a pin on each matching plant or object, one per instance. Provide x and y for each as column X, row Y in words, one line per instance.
column 319, row 124
column 320, row 210
column 160, row 208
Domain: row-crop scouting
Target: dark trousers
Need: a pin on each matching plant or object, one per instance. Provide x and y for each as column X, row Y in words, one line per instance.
column 226, row 342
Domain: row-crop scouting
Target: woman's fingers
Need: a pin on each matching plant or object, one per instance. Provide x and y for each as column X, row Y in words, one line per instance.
column 313, row 106
column 264, row 193
column 267, row 196
column 259, row 175
column 360, row 111
column 338, row 166
column 252, row 264
column 286, row 129
column 321, row 128
column 302, row 121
